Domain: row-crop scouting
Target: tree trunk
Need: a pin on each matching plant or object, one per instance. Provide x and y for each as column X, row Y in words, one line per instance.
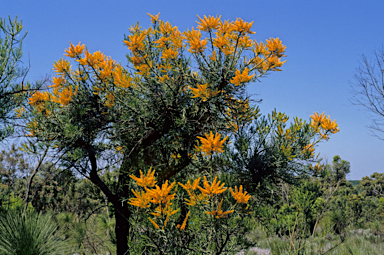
column 122, row 215
column 122, row 212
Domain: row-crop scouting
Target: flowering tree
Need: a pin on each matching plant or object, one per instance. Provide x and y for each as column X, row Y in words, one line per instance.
column 178, row 86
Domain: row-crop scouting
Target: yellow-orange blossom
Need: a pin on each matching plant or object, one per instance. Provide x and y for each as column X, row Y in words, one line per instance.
column 211, row 143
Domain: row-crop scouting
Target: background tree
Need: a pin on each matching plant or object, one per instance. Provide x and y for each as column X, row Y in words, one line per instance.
column 373, row 186
column 12, row 89
column 369, row 89
column 14, row 168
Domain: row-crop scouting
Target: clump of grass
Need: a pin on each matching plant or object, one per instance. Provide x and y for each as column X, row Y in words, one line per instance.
column 33, row 234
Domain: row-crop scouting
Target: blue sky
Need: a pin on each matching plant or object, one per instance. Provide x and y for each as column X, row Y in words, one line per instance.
column 324, row 39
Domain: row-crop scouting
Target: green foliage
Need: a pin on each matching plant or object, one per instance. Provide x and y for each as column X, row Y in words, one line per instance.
column 203, row 235
column 297, row 215
column 269, row 151
column 94, row 235
column 15, row 204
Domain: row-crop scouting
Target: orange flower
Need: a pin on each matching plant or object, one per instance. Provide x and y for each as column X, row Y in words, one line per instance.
column 57, row 82
column 208, row 23
column 38, row 97
column 62, row 66
column 224, row 42
column 329, row 125
column 241, row 77
column 184, row 222
column 166, row 28
column 169, row 54
column 142, row 199
column 135, row 42
column 213, row 57
column 219, row 213
column 145, row 181
column 214, row 188
column 166, row 210
column 64, row 96
column 195, row 44
column 212, row 144
column 154, row 223
column 242, row 27
column 74, row 51
column 239, row 195
column 245, row 42
column 203, row 92
column 188, row 186
column 225, row 27
column 260, row 48
column 154, row 18
column 317, row 119
column 221, row 41
column 274, row 62
column 121, row 77
column 275, row 46
column 161, row 195
column 309, row 148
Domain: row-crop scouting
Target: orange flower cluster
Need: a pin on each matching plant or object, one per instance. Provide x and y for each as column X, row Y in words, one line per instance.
column 61, row 95
column 74, row 51
column 64, row 96
column 162, row 197
column 241, row 77
column 154, row 18
column 233, row 38
column 323, row 124
column 104, row 68
column 310, row 149
column 209, row 191
column 209, row 23
column 91, row 66
column 239, row 195
column 214, row 188
column 148, row 180
column 211, row 144
column 275, row 46
column 202, row 91
column 135, row 42
column 194, row 198
column 38, row 98
column 242, row 27
column 196, row 45
column 62, row 66
column 228, row 40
